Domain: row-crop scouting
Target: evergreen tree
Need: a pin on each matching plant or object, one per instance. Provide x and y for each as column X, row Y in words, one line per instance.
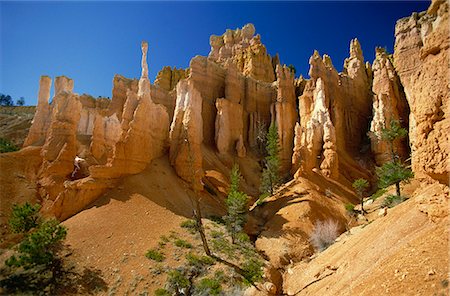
column 361, row 186
column 236, row 205
column 395, row 171
column 270, row 177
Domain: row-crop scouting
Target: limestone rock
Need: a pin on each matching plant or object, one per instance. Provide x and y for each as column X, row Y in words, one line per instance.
column 421, row 57
column 168, row 78
column 243, row 49
column 285, row 115
column 333, row 107
column 186, row 134
column 63, row 84
column 389, row 103
column 41, row 120
column 229, row 125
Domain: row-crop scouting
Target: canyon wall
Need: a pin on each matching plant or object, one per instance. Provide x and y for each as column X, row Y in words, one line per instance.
column 421, row 59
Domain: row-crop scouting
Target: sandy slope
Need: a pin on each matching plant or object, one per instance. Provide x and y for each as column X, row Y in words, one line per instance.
column 114, row 233
column 403, row 253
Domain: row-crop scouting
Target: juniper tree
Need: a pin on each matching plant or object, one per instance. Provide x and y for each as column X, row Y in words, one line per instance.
column 236, row 205
column 270, row 177
column 361, row 186
column 395, row 171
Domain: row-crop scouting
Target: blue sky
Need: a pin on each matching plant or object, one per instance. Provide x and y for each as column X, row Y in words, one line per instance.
column 91, row 41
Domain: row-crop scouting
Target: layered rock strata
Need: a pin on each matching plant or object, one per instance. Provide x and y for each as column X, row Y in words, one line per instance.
column 421, row 58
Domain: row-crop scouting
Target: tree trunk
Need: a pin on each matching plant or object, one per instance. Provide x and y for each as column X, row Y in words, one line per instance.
column 397, row 188
column 198, row 218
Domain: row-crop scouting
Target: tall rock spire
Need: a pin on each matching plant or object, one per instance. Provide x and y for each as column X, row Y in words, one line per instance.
column 144, row 82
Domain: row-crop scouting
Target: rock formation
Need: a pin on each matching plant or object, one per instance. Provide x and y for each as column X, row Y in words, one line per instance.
column 421, row 58
column 389, row 104
column 333, row 108
column 168, row 78
column 245, row 50
column 40, row 121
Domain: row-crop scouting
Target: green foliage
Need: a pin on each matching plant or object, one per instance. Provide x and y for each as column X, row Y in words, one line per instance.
column 6, row 100
column 162, row 292
column 252, row 270
column 236, row 205
column 392, row 200
column 177, row 280
column 199, row 261
column 208, row 286
column 216, row 234
column 155, row 255
column 392, row 173
column 40, row 246
column 242, row 237
column 292, row 68
column 270, row 177
column 24, row 217
column 20, row 101
column 223, row 246
column 7, row 146
column 360, row 186
column 190, row 225
column 379, row 193
column 350, row 208
column 395, row 131
column 181, row 243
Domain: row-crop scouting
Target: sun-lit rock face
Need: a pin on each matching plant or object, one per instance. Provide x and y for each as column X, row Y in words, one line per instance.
column 421, row 58
column 389, row 104
column 41, row 119
column 244, row 49
column 168, row 77
column 334, row 112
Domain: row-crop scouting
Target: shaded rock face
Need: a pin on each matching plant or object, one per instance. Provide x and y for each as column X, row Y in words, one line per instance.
column 389, row 103
column 334, row 110
column 421, row 59
column 244, row 49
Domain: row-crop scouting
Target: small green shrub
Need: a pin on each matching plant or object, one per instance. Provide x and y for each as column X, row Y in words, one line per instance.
column 162, row 292
column 242, row 237
column 216, row 234
column 177, row 281
column 350, row 208
column 208, row 286
column 190, row 225
column 164, row 239
column 181, row 243
column 392, row 200
column 252, row 271
column 378, row 194
column 7, row 146
column 40, row 246
column 24, row 217
column 199, row 261
column 155, row 255
column 221, row 245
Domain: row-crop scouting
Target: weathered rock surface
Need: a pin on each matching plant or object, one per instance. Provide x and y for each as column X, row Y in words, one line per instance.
column 333, row 108
column 168, row 78
column 421, row 58
column 389, row 104
column 245, row 50
column 41, row 119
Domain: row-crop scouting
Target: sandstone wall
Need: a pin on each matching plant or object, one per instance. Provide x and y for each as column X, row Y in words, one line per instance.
column 421, row 58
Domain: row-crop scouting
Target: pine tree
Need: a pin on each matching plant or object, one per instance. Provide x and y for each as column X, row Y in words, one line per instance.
column 270, row 177
column 395, row 171
column 236, row 205
column 361, row 186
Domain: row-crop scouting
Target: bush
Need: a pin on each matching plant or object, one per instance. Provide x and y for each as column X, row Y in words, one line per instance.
column 7, row 146
column 350, row 208
column 392, row 200
column 378, row 194
column 252, row 271
column 155, row 255
column 199, row 261
column 208, row 286
column 162, row 292
column 39, row 247
column 181, row 243
column 24, row 217
column 177, row 280
column 324, row 234
column 190, row 225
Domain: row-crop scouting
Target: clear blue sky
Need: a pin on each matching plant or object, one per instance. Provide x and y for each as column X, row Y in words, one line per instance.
column 90, row 42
